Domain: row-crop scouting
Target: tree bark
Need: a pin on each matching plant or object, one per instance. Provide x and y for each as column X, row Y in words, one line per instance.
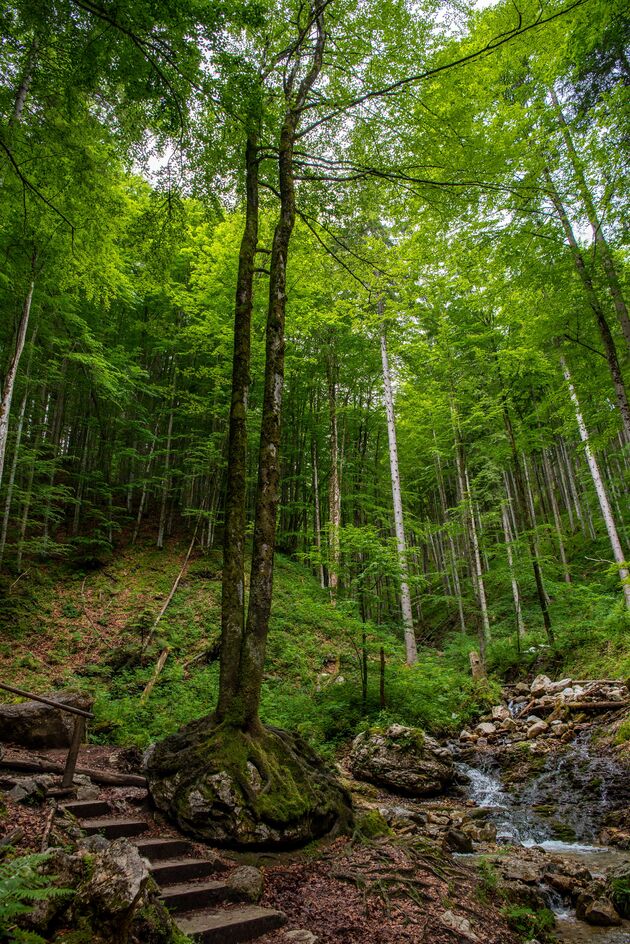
column 9, row 380
column 244, row 707
column 610, row 351
column 233, row 592
column 599, row 239
column 600, row 488
column 411, row 649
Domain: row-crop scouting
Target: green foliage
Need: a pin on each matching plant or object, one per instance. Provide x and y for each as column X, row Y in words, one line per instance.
column 531, row 923
column 21, row 885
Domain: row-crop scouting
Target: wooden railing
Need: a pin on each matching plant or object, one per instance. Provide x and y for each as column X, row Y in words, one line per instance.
column 77, row 734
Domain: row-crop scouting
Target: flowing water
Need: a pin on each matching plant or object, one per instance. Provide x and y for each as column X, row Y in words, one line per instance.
column 560, row 810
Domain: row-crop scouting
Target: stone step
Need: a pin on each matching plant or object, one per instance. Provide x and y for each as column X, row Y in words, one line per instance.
column 174, row 871
column 230, row 927
column 160, row 848
column 190, row 896
column 113, row 827
column 87, row 808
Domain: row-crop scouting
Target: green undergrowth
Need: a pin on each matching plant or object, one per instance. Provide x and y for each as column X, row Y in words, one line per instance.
column 67, row 628
column 63, row 627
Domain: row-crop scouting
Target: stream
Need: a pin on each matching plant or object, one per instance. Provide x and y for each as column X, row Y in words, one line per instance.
column 559, row 810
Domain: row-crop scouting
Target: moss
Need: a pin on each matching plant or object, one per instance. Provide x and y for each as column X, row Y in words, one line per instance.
column 372, row 824
column 244, row 788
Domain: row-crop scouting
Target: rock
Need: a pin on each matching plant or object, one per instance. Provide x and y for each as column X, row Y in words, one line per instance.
column 466, row 736
column 554, row 688
column 114, row 898
column 300, row 936
column 538, row 728
column 602, row 913
column 540, row 685
column 246, row 882
column 31, row 790
column 402, row 819
column 618, row 887
column 521, row 688
column 509, row 724
column 500, row 713
column 86, row 790
column 459, row 924
column 486, row 728
column 232, row 788
column 402, row 759
column 456, row 840
column 33, row 724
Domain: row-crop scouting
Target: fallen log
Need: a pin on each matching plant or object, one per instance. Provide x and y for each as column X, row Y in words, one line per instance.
column 34, row 765
column 595, row 705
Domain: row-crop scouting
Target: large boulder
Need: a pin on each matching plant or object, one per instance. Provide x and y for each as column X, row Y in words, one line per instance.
column 33, row 724
column 110, row 897
column 245, row 790
column 401, row 759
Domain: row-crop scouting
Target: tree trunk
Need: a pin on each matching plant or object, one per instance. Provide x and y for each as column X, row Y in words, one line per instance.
column 9, row 380
column 166, row 486
column 557, row 520
column 516, row 596
column 334, row 487
column 600, row 488
column 610, row 351
column 599, row 239
column 401, row 545
column 233, row 595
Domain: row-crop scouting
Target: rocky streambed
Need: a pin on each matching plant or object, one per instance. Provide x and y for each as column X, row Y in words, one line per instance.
column 537, row 796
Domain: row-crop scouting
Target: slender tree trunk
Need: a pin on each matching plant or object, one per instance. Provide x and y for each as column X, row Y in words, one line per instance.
column 405, row 596
column 317, row 524
column 9, row 380
column 166, row 486
column 610, row 351
column 557, row 520
column 334, row 486
column 600, row 488
column 233, row 598
column 599, row 239
column 516, row 595
column 466, row 498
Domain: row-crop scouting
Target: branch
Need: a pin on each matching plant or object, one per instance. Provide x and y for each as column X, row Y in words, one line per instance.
column 394, row 87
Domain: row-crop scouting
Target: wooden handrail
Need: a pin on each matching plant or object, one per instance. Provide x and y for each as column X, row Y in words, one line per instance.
column 47, row 701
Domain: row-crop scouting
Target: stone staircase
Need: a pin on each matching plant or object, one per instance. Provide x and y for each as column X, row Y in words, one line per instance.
column 204, row 906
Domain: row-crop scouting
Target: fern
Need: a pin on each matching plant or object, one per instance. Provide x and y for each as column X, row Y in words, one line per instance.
column 22, row 884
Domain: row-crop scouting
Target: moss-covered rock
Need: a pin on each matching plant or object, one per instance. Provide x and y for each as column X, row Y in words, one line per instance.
column 243, row 789
column 402, row 759
column 107, row 897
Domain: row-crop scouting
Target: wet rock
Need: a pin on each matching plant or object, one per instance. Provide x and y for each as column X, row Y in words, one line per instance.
column 33, row 724
column 602, row 913
column 618, row 888
column 402, row 759
column 459, row 925
column 539, row 727
column 486, row 728
column 246, row 882
column 456, row 840
column 203, row 778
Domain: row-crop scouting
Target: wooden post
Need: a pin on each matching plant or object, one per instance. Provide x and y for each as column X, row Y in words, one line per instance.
column 476, row 667
column 73, row 753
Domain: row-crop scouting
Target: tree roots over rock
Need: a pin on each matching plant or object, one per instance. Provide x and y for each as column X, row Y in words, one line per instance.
column 245, row 789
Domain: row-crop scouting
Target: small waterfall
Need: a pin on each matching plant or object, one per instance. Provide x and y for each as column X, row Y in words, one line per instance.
column 561, row 807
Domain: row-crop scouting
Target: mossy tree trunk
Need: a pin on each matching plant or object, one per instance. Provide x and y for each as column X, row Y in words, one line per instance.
column 244, row 646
